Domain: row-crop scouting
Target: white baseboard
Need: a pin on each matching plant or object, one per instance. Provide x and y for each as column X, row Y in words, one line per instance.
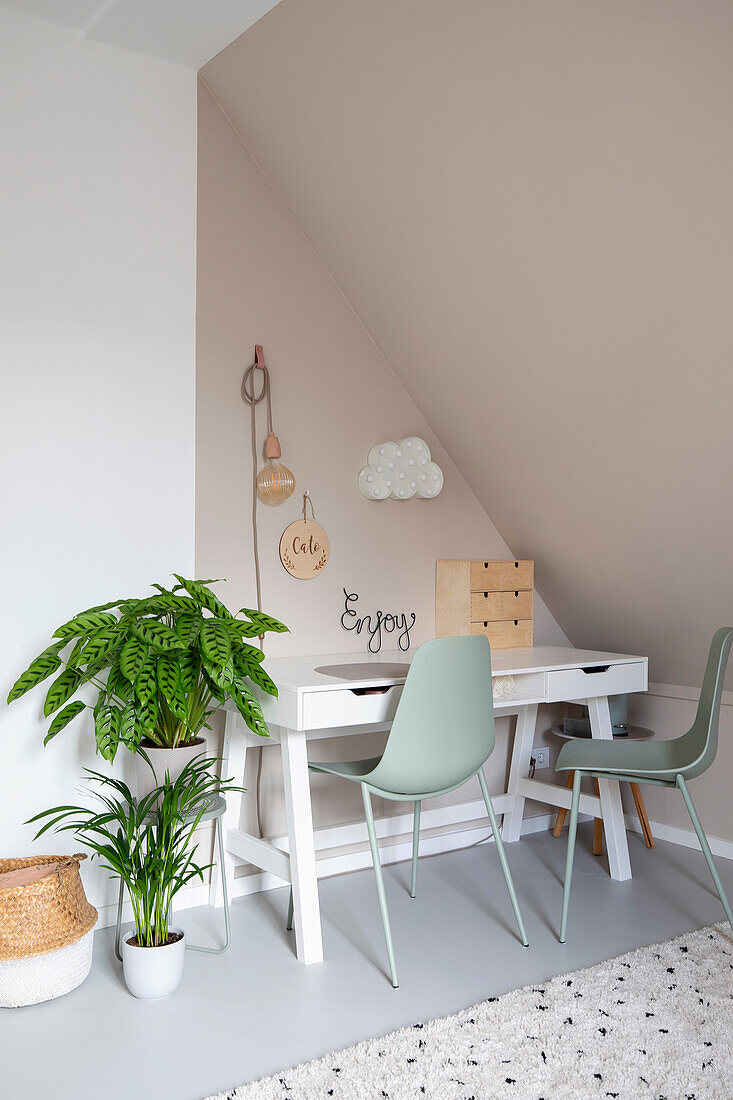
column 686, row 838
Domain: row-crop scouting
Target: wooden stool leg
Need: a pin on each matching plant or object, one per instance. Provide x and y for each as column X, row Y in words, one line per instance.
column 597, row 830
column 562, row 814
column 643, row 817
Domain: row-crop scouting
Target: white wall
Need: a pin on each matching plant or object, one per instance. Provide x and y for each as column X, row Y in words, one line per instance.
column 97, row 313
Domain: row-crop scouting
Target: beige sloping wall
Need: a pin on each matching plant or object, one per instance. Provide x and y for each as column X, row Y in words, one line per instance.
column 334, row 396
column 530, row 206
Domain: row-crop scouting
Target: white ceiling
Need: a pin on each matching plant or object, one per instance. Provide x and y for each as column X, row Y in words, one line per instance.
column 185, row 32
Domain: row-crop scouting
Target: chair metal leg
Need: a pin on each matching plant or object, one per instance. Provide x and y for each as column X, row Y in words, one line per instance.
column 502, row 856
column 415, row 847
column 705, row 848
column 289, row 922
column 572, row 832
column 118, row 932
column 227, row 923
column 380, row 882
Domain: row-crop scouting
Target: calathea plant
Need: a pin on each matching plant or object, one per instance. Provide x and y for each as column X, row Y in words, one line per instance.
column 159, row 665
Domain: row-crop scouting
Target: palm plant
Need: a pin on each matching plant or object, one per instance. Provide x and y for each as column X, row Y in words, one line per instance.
column 148, row 844
column 160, row 666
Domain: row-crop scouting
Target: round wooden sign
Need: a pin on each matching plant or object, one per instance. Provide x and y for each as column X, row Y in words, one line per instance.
column 304, row 549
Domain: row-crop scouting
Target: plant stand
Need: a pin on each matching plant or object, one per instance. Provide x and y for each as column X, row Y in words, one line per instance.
column 214, row 812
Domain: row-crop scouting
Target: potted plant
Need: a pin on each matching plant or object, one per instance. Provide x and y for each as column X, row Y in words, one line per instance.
column 153, row 670
column 149, row 845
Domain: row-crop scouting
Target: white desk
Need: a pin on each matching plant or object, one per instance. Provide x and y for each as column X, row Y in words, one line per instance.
column 314, row 705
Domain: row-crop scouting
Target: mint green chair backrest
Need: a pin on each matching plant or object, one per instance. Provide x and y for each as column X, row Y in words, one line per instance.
column 695, row 751
column 443, row 730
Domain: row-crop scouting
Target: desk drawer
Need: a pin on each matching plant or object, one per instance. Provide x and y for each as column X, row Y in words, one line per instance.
column 344, row 707
column 490, row 606
column 501, row 576
column 579, row 683
column 508, row 634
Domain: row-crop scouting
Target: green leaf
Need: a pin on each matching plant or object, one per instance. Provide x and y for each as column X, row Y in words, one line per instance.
column 92, row 670
column 241, row 628
column 257, row 675
column 190, row 666
column 187, row 626
column 263, row 622
column 99, row 645
column 46, row 663
column 169, row 682
column 250, row 710
column 118, row 684
column 247, row 652
column 215, row 642
column 128, row 726
column 106, row 726
column 103, row 606
column 157, row 634
column 204, row 597
column 73, row 659
column 222, row 675
column 219, row 693
column 86, row 623
column 61, row 689
column 146, row 684
column 161, row 604
column 147, row 714
column 132, row 658
column 63, row 718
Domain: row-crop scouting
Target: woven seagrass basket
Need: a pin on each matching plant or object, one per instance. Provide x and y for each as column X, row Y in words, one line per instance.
column 46, row 928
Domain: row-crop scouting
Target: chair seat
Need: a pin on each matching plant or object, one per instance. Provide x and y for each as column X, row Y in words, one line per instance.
column 655, row 759
column 347, row 769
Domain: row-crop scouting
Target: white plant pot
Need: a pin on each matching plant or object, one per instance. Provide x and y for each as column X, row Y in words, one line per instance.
column 170, row 761
column 152, row 973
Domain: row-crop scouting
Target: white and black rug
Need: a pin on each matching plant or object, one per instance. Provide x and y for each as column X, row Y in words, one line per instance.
column 655, row 1023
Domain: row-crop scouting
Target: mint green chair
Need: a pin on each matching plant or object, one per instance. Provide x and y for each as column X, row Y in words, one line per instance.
column 657, row 763
column 442, row 735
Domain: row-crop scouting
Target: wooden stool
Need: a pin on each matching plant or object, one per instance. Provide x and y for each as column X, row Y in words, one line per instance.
column 598, row 822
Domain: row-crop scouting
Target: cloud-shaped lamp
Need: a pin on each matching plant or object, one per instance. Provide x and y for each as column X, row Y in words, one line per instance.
column 401, row 470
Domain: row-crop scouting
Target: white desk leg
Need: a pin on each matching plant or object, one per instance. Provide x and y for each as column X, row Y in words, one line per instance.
column 233, row 757
column 612, row 810
column 307, row 914
column 511, row 828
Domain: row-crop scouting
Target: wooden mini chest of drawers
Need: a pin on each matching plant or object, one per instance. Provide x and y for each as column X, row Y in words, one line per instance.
column 485, row 597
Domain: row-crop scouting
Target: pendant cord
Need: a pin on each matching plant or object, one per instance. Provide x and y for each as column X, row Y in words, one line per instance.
column 252, row 397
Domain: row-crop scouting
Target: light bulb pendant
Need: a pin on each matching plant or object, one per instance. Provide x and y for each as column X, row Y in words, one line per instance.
column 275, row 482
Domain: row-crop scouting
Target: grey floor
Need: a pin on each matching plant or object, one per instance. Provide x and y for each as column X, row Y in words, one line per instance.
column 256, row 1010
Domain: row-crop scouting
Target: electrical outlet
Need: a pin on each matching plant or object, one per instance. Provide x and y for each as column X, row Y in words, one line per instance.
column 541, row 754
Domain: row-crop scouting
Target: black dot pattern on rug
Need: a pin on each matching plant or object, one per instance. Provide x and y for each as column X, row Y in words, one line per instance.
column 621, row 1030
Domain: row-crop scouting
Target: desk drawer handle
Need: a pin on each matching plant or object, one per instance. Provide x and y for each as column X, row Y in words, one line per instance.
column 596, row 668
column 371, row 690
